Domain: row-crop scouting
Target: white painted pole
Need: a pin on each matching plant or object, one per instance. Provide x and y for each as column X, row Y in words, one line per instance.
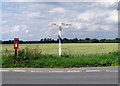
column 59, row 34
column 60, row 50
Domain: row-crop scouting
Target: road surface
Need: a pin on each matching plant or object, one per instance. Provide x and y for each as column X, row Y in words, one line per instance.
column 94, row 75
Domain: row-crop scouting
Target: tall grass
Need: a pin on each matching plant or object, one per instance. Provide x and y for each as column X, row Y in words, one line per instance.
column 27, row 58
column 72, row 48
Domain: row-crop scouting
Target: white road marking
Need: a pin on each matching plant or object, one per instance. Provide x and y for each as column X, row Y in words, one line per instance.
column 19, row 70
column 36, row 71
column 55, row 71
column 111, row 70
column 4, row 70
column 93, row 70
column 73, row 71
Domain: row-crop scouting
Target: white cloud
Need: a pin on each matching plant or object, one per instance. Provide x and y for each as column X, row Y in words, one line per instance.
column 112, row 16
column 19, row 28
column 3, row 21
column 86, row 16
column 105, row 4
column 58, row 10
column 99, row 16
column 77, row 25
column 92, row 26
column 98, row 27
column 27, row 31
column 34, row 14
column 107, row 27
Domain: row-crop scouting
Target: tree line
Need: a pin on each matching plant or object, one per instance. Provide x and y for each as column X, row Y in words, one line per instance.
column 66, row 40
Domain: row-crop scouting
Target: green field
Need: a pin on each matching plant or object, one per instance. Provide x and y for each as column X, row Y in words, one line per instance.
column 67, row 48
column 74, row 55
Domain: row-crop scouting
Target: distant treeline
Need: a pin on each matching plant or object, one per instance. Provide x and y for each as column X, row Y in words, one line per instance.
column 65, row 40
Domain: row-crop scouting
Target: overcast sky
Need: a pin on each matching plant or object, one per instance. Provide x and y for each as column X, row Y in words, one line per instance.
column 30, row 21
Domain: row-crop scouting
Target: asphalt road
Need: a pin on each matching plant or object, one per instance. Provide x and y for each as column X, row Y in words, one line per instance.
column 105, row 75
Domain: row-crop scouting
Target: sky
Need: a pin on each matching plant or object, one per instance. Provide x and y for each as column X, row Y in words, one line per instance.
column 30, row 20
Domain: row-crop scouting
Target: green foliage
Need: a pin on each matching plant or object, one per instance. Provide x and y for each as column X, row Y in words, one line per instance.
column 28, row 58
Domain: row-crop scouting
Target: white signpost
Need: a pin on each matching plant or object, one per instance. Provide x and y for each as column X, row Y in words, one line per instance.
column 59, row 25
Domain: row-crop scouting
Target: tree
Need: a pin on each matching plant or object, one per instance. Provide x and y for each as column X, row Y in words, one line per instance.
column 87, row 38
column 95, row 40
column 45, row 40
column 65, row 40
column 75, row 40
column 41, row 40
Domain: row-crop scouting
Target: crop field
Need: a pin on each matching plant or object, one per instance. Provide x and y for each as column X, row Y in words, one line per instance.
column 67, row 48
column 73, row 55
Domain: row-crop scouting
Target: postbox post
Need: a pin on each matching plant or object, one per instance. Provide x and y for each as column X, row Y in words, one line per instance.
column 16, row 46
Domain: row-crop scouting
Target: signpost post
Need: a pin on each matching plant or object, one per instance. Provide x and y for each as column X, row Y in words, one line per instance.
column 59, row 36
column 59, row 25
column 16, row 46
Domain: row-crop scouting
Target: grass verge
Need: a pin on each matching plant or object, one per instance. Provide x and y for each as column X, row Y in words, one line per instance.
column 34, row 59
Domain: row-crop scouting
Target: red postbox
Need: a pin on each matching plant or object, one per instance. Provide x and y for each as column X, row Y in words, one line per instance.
column 16, row 43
